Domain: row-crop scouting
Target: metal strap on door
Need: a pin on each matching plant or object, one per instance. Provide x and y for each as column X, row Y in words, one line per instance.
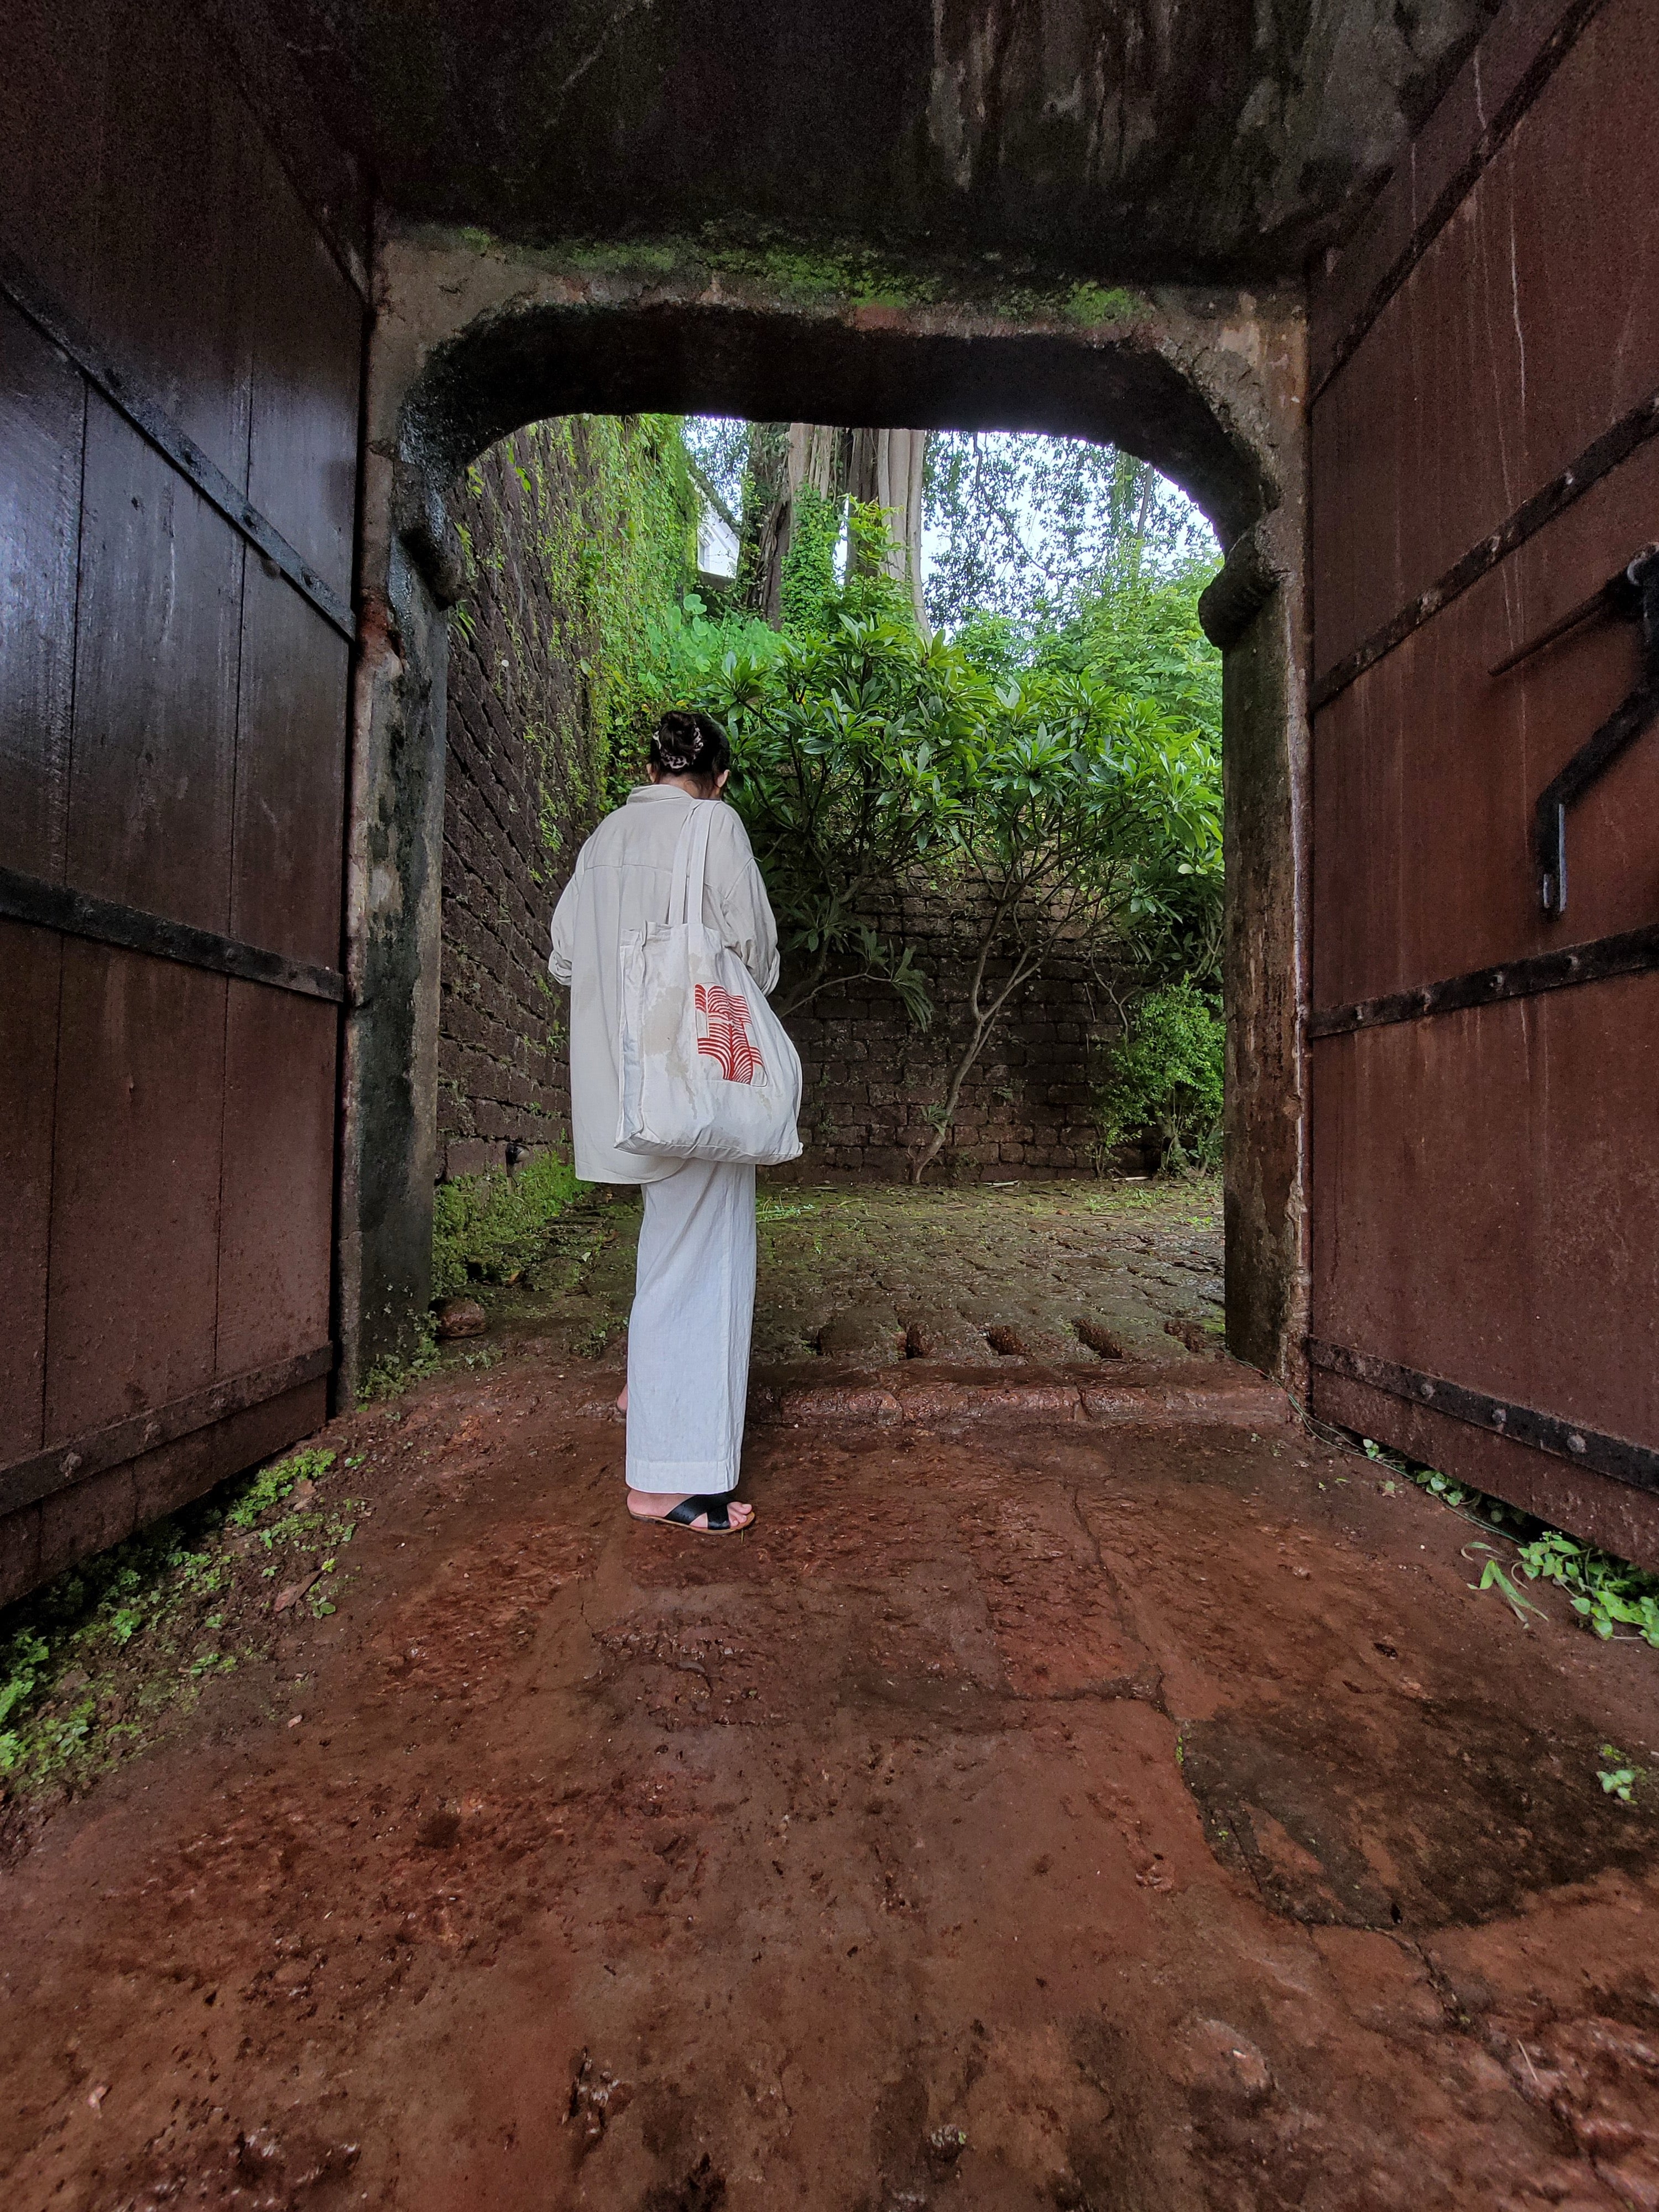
column 1631, row 595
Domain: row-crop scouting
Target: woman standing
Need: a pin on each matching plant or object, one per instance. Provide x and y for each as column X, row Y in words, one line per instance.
column 693, row 1297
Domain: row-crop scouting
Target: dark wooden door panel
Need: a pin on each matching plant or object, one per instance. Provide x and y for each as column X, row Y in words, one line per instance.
column 30, row 962
column 169, row 292
column 1486, row 1168
column 1531, row 325
column 174, row 329
column 54, row 87
column 279, row 1194
column 135, row 1225
column 290, row 781
column 1427, row 768
column 42, row 407
column 154, row 741
column 1488, row 1187
column 307, row 326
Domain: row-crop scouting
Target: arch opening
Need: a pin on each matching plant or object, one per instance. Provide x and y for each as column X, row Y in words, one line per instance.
column 525, row 367
column 1206, row 389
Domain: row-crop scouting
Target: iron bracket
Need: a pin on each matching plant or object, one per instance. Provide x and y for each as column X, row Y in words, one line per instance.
column 1631, row 596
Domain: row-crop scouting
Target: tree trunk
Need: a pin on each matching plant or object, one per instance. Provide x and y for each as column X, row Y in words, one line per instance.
column 763, row 480
column 815, row 454
column 886, row 469
column 878, row 468
column 984, row 1012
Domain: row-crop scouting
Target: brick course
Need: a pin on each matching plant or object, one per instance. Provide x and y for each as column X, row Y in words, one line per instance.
column 870, row 1077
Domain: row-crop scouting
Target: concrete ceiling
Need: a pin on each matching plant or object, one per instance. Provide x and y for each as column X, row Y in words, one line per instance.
column 1200, row 141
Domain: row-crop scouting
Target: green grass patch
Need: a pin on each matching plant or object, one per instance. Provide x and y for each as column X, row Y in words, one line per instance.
column 490, row 1228
column 91, row 1665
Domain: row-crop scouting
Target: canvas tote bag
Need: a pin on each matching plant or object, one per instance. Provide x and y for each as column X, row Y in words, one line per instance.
column 707, row 1071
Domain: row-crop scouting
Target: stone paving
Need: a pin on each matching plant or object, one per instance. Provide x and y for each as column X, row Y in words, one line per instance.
column 1065, row 1272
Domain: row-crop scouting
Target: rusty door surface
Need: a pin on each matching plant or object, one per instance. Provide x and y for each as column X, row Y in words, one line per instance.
column 179, row 359
column 1485, row 1034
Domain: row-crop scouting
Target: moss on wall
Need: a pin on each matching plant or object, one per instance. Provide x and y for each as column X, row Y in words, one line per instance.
column 579, row 535
column 1014, row 290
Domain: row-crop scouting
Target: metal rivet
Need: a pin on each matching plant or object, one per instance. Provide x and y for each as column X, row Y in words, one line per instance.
column 1575, row 1444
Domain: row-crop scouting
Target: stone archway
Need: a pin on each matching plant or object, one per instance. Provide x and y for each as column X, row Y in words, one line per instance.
column 474, row 339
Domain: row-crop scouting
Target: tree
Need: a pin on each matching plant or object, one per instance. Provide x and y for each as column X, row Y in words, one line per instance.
column 1143, row 639
column 1078, row 811
column 884, row 469
column 1029, row 527
column 1061, row 777
column 887, row 469
column 847, row 744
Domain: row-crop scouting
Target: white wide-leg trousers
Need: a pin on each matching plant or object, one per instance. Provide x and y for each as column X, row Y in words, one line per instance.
column 688, row 1335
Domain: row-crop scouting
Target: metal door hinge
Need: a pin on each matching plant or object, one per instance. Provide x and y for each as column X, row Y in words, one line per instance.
column 1632, row 595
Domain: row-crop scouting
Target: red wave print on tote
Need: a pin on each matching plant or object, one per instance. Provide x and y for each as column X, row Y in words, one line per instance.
column 723, row 1033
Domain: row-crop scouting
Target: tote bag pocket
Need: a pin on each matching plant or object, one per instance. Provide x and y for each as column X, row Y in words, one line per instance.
column 707, row 1070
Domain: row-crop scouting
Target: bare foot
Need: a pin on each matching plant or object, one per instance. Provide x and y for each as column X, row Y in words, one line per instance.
column 622, row 1402
column 657, row 1504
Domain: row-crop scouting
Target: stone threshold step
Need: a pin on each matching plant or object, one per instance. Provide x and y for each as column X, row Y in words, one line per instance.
column 1220, row 1391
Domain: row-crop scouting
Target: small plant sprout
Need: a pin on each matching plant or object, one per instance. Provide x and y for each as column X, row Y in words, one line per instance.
column 1619, row 1779
column 1492, row 1576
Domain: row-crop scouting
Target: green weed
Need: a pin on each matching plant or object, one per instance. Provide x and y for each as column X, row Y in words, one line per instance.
column 1492, row 1576
column 490, row 1228
column 1609, row 1595
column 89, row 1665
column 1620, row 1779
column 273, row 1484
column 391, row 1377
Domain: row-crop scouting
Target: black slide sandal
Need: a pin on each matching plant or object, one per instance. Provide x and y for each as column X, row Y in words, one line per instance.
column 685, row 1513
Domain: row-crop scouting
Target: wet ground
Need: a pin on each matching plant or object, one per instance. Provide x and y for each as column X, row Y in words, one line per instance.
column 1062, row 1810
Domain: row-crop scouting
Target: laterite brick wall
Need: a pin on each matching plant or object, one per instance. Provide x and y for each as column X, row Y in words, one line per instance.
column 516, row 703
column 870, row 1077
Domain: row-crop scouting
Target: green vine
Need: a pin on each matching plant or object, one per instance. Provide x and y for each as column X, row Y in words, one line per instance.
column 602, row 511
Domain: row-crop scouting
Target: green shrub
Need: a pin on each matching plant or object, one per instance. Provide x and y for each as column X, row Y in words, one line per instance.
column 489, row 1228
column 1166, row 1076
column 1606, row 1592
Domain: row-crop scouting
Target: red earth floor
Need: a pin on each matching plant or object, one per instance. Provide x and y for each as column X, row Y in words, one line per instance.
column 1022, row 1814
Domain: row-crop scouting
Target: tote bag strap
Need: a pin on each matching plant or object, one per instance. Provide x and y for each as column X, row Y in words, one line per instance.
column 690, row 864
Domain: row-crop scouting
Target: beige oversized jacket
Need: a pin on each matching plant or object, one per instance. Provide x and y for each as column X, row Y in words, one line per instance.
column 621, row 883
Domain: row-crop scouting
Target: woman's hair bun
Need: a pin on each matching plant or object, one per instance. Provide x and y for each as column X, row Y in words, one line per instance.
column 691, row 743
